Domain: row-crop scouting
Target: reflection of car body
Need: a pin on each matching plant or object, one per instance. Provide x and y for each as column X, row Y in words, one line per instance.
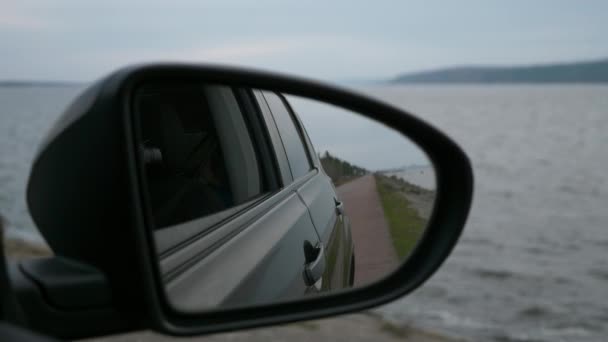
column 233, row 183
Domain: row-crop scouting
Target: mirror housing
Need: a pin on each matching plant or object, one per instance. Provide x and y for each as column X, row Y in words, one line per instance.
column 85, row 197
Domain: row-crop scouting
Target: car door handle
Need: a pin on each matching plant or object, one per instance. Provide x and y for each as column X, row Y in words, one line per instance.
column 339, row 207
column 315, row 263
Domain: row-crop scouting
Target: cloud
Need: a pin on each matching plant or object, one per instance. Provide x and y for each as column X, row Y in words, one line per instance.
column 243, row 51
column 231, row 52
column 12, row 18
column 328, row 56
column 325, row 56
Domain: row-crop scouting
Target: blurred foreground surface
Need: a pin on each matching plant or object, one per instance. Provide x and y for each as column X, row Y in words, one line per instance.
column 358, row 327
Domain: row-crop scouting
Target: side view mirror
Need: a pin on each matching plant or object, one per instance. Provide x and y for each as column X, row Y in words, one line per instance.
column 201, row 199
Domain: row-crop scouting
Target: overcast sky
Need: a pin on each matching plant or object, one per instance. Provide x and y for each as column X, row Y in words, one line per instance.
column 354, row 138
column 341, row 40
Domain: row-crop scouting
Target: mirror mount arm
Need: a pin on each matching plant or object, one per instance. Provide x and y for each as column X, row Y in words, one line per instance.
column 64, row 298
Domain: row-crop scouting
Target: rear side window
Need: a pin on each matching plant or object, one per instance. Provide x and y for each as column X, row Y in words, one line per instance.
column 290, row 135
column 199, row 157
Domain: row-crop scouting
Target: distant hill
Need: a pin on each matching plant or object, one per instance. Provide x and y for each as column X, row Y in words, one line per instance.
column 583, row 72
column 20, row 83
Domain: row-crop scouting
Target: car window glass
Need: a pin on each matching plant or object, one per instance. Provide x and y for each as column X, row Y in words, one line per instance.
column 290, row 135
column 198, row 154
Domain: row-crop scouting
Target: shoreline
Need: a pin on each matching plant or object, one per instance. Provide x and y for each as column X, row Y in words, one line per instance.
column 22, row 245
column 420, row 198
column 407, row 209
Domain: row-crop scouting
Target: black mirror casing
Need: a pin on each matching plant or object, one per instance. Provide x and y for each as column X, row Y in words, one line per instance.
column 85, row 196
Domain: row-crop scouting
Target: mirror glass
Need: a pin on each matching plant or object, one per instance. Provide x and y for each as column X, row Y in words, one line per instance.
column 257, row 197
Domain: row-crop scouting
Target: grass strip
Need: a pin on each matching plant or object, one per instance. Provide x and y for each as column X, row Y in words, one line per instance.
column 406, row 226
